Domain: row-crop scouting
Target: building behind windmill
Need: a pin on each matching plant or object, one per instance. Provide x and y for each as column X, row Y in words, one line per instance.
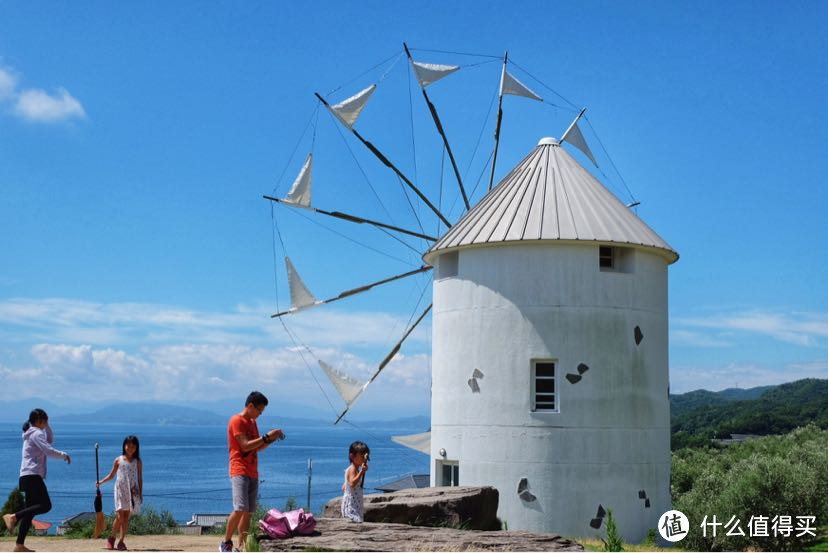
column 550, row 364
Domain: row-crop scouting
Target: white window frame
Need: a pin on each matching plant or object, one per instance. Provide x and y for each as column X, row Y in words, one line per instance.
column 533, row 384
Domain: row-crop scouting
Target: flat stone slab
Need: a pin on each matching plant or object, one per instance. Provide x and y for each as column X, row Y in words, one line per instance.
column 336, row 534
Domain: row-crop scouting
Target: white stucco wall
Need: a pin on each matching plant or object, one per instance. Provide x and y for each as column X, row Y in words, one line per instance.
column 511, row 303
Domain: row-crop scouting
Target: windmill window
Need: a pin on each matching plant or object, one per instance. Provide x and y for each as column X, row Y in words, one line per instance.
column 615, row 259
column 449, row 473
column 447, row 265
column 543, row 394
column 605, row 258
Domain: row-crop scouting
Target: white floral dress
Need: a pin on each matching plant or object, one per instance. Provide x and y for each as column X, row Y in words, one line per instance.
column 352, row 500
column 127, row 495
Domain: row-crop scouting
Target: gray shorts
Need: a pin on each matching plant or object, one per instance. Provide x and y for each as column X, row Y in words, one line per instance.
column 245, row 490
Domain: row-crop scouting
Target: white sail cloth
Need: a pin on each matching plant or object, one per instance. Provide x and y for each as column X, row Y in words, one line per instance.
column 510, row 85
column 300, row 192
column 428, row 73
column 420, row 442
column 575, row 138
column 348, row 388
column 300, row 296
column 348, row 110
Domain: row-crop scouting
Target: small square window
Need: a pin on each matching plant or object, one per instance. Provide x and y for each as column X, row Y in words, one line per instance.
column 605, row 257
column 616, row 259
column 543, row 395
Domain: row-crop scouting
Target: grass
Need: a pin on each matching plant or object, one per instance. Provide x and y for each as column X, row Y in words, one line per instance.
column 596, row 544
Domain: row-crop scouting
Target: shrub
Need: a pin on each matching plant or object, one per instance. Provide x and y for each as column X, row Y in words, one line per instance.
column 614, row 541
column 14, row 503
column 775, row 475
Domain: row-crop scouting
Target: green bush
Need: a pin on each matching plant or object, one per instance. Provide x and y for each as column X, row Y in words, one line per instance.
column 771, row 476
column 614, row 541
column 14, row 503
column 148, row 522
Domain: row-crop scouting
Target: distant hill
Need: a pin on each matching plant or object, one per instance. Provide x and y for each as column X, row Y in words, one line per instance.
column 699, row 416
column 682, row 403
column 147, row 413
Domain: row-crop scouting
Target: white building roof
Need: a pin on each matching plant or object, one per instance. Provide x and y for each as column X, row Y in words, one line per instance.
column 550, row 196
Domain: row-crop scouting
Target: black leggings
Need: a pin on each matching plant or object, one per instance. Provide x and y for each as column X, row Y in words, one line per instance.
column 37, row 503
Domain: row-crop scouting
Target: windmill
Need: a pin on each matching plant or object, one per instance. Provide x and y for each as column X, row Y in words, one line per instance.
column 549, row 328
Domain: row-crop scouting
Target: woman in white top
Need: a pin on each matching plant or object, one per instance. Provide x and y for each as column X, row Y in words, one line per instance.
column 37, row 447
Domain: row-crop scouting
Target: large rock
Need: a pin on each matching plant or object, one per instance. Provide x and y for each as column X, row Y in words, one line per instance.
column 343, row 535
column 466, row 507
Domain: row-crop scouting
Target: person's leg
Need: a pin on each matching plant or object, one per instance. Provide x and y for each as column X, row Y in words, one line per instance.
column 244, row 523
column 232, row 524
column 124, row 523
column 37, row 502
column 240, row 486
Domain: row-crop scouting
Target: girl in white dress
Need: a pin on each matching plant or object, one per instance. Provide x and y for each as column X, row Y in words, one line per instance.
column 352, row 488
column 129, row 487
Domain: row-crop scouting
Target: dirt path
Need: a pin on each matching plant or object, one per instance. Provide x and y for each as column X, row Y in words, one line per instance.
column 135, row 543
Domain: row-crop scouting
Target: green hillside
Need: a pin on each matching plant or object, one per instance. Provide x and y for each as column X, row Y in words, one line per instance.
column 699, row 416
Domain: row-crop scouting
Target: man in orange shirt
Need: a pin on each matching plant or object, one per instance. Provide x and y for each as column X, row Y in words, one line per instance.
column 244, row 443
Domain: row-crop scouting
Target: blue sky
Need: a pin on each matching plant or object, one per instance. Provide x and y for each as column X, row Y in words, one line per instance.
column 136, row 142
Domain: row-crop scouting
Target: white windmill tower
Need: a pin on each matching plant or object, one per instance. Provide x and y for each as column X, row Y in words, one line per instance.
column 549, row 347
column 549, row 367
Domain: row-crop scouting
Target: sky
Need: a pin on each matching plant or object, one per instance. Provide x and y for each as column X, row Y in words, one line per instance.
column 139, row 261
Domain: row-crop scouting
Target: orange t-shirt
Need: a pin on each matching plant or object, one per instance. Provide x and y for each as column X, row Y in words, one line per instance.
column 242, row 464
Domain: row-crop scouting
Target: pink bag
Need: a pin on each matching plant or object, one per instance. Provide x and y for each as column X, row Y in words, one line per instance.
column 275, row 524
column 279, row 525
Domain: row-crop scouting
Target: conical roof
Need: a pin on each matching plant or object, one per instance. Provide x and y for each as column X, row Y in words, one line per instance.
column 550, row 196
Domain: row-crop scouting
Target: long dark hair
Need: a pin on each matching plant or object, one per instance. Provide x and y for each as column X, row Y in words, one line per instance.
column 132, row 440
column 358, row 447
column 35, row 417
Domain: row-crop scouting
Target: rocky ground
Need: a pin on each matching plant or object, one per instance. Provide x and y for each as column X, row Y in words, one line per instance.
column 337, row 534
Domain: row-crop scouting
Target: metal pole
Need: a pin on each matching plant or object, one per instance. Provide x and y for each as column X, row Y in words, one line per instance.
column 385, row 161
column 310, row 471
column 442, row 132
column 499, row 118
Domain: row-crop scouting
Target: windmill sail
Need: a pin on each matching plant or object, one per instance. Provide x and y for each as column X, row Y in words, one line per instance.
column 348, row 110
column 300, row 192
column 420, row 442
column 348, row 388
column 300, row 296
column 575, row 138
column 428, row 73
column 510, row 85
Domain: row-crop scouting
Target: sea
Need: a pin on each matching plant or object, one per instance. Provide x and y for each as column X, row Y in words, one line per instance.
column 185, row 468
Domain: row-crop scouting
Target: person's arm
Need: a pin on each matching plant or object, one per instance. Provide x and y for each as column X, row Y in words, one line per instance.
column 41, row 440
column 262, row 442
column 109, row 476
column 140, row 480
column 355, row 475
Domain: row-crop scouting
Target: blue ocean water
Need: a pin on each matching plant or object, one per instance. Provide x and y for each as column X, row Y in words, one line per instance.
column 185, row 467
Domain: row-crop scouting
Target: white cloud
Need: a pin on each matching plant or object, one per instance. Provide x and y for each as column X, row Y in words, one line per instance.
column 76, row 321
column 696, row 339
column 748, row 375
column 8, row 83
column 34, row 104
column 798, row 328
column 171, row 372
column 38, row 105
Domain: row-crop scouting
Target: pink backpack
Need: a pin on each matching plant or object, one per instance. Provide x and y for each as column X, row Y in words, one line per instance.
column 279, row 525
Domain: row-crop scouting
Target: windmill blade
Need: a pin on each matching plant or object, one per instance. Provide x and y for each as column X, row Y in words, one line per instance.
column 387, row 359
column 385, row 161
column 434, row 71
column 352, row 218
column 313, row 303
